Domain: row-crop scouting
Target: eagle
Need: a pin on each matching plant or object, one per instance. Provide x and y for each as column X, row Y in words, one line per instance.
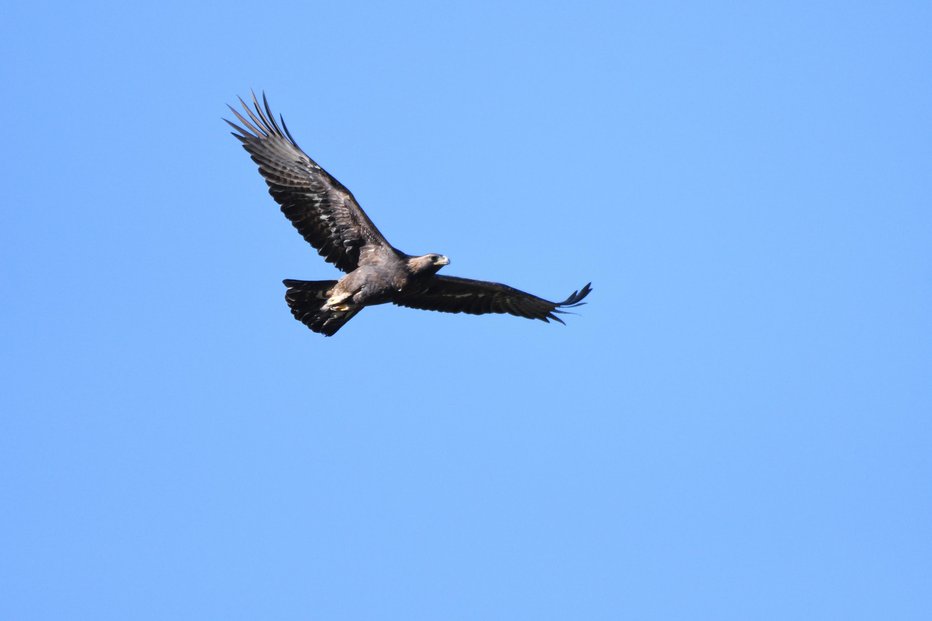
column 327, row 215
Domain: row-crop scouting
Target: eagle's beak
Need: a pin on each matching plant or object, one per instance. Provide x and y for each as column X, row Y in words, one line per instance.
column 443, row 261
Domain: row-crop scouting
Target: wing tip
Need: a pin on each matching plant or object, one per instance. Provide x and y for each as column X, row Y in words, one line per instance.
column 573, row 301
column 577, row 297
column 261, row 123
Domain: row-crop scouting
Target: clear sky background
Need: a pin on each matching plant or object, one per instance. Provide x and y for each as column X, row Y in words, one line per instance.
column 737, row 425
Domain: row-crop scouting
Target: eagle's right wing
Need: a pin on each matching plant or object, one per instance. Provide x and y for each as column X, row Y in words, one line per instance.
column 320, row 207
column 450, row 294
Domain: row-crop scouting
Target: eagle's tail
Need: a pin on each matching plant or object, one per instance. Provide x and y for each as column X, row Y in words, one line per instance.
column 306, row 299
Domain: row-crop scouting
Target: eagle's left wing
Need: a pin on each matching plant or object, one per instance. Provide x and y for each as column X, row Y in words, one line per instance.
column 449, row 294
column 320, row 207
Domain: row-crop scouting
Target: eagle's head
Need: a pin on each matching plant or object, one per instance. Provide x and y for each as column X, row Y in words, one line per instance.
column 427, row 263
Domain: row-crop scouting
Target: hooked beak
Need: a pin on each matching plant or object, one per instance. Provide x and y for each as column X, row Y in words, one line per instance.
column 443, row 261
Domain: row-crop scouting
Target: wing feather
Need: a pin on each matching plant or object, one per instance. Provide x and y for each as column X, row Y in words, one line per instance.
column 450, row 294
column 323, row 211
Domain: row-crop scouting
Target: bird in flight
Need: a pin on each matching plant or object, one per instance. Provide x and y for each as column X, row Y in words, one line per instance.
column 329, row 218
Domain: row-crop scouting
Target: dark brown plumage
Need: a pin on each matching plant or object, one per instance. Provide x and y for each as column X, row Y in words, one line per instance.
column 329, row 218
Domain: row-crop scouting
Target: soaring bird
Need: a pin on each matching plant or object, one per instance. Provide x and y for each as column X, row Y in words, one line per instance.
column 327, row 215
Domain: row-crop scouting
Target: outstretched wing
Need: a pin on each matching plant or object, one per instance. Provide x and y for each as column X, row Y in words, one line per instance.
column 319, row 206
column 449, row 294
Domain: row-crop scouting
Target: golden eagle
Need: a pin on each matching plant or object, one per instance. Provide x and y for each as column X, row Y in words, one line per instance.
column 330, row 219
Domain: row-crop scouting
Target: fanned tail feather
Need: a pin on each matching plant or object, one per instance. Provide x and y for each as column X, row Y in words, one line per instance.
column 306, row 299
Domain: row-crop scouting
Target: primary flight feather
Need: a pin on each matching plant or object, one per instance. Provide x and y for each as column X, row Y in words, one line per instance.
column 329, row 218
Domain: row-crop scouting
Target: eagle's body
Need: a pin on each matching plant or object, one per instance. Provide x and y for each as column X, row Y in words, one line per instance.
column 382, row 280
column 329, row 218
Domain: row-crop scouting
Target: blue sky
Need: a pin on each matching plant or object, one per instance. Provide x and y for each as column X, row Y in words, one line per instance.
column 737, row 425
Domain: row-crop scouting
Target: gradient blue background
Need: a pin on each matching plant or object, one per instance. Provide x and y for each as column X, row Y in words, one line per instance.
column 737, row 426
